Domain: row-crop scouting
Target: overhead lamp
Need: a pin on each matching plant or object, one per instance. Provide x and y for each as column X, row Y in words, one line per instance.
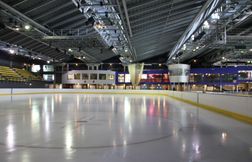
column 192, row 37
column 184, row 47
column 197, row 47
column 17, row 29
column 27, row 27
column 99, row 25
column 11, row 51
column 84, row 57
column 206, row 25
column 215, row 16
column 70, row 50
column 223, row 58
column 250, row 50
column 48, row 62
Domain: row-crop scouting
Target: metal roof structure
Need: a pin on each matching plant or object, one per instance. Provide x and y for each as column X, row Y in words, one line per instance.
column 96, row 30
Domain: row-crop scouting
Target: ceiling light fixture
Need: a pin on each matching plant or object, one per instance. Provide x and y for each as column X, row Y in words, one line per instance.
column 11, row 51
column 27, row 27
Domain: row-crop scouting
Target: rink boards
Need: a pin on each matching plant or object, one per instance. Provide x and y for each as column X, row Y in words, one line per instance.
column 238, row 107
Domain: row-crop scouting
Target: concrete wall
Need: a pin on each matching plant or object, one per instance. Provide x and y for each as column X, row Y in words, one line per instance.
column 236, row 104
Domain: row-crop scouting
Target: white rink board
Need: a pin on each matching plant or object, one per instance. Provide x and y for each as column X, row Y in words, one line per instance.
column 236, row 104
column 4, row 91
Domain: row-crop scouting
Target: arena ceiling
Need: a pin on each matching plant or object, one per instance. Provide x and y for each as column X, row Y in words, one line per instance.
column 96, row 30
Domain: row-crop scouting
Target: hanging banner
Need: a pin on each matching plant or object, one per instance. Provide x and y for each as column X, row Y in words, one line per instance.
column 136, row 71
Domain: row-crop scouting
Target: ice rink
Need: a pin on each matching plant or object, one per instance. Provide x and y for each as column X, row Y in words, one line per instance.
column 117, row 128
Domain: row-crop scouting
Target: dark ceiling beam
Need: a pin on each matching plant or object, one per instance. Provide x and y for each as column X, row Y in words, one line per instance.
column 34, row 45
column 31, row 46
column 209, row 7
column 18, row 39
column 163, row 25
column 157, row 50
column 76, row 18
column 77, row 24
column 24, row 17
column 38, row 48
column 147, row 45
column 26, row 43
column 19, row 3
column 144, row 4
column 158, row 40
column 173, row 16
column 37, row 7
column 53, row 10
column 45, row 50
column 153, row 52
column 162, row 9
column 12, row 39
column 53, row 19
column 127, row 17
column 177, row 13
column 156, row 31
column 8, row 34
column 125, row 31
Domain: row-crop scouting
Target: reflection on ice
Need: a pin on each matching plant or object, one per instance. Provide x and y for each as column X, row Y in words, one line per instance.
column 10, row 138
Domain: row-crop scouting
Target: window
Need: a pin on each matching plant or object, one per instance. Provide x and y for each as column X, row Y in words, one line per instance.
column 48, row 77
column 127, row 78
column 121, row 78
column 35, row 68
column 77, row 76
column 85, row 76
column 93, row 76
column 48, row 68
column 102, row 76
column 70, row 77
column 111, row 77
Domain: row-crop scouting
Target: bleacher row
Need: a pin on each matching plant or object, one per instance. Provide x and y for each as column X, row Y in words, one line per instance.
column 15, row 74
